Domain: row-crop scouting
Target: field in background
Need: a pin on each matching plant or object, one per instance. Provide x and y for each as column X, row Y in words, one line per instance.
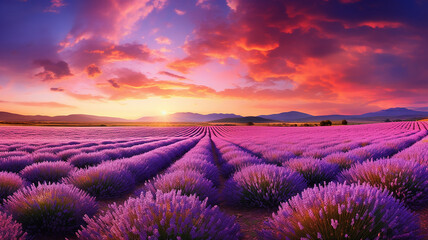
column 149, row 155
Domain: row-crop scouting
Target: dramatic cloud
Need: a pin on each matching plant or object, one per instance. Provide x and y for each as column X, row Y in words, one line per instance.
column 357, row 47
column 109, row 19
column 97, row 51
column 52, row 70
column 134, row 85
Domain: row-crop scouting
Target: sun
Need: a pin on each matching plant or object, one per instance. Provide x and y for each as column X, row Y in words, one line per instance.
column 164, row 112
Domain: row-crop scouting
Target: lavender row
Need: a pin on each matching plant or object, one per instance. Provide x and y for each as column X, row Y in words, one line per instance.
column 18, row 163
column 194, row 173
column 233, row 157
column 11, row 134
column 417, row 152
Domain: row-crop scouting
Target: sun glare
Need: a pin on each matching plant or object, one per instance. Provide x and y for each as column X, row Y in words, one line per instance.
column 164, row 112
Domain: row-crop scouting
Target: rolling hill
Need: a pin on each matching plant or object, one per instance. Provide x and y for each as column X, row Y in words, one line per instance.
column 244, row 120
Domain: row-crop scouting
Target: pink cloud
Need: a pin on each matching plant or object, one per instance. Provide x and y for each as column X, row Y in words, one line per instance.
column 179, row 12
column 98, row 52
column 326, row 54
column 55, row 4
column 134, row 85
column 109, row 19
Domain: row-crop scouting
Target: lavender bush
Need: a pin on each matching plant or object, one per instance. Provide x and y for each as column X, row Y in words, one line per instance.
column 46, row 171
column 45, row 157
column 9, row 183
column 314, row 170
column 163, row 216
column 15, row 163
column 50, row 210
column 145, row 166
column 87, row 159
column 203, row 167
column 343, row 160
column 108, row 180
column 66, row 154
column 238, row 163
column 263, row 186
column 338, row 211
column 277, row 157
column 406, row 180
column 188, row 182
column 10, row 229
column 12, row 154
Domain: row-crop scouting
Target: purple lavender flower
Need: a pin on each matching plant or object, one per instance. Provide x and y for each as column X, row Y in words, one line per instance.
column 9, row 183
column 46, row 171
column 277, row 157
column 15, row 163
column 146, row 166
column 45, row 157
column 88, row 159
column 108, row 180
column 314, row 170
column 66, row 154
column 50, row 210
column 188, row 181
column 164, row 216
column 416, row 153
column 207, row 169
column 339, row 211
column 12, row 154
column 238, row 163
column 343, row 160
column 10, row 229
column 406, row 180
column 263, row 186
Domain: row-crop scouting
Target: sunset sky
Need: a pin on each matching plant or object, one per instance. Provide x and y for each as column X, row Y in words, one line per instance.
column 133, row 58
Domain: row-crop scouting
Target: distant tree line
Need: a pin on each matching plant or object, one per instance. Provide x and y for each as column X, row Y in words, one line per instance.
column 329, row 123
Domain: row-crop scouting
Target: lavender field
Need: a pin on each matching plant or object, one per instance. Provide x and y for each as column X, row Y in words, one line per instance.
column 340, row 182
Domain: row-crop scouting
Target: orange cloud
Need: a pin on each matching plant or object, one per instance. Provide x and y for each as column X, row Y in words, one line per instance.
column 134, row 85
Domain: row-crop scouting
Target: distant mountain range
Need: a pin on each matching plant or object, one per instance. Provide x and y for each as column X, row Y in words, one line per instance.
column 187, row 117
column 287, row 116
column 12, row 117
column 244, row 120
column 292, row 116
